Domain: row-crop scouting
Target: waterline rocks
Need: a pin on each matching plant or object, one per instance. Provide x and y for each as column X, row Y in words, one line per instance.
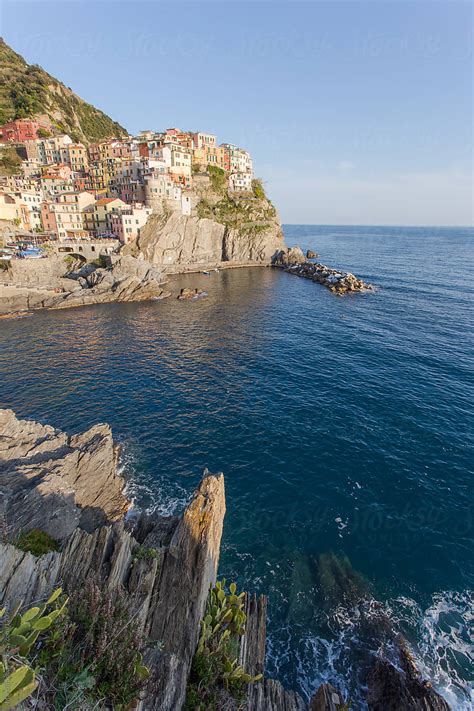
column 289, row 256
column 163, row 565
column 294, row 262
column 121, row 279
column 187, row 294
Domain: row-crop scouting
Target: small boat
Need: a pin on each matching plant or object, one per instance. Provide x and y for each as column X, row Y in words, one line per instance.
column 206, row 273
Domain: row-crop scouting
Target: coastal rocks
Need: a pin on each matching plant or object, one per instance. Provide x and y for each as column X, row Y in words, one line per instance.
column 126, row 279
column 189, row 570
column 166, row 585
column 327, row 698
column 336, row 281
column 55, row 482
column 268, row 694
column 289, row 256
column 399, row 685
column 187, row 294
column 310, row 254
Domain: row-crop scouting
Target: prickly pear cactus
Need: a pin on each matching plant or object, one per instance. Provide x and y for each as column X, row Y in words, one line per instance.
column 18, row 634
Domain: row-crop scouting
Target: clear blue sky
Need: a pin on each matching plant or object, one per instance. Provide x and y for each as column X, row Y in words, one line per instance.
column 354, row 112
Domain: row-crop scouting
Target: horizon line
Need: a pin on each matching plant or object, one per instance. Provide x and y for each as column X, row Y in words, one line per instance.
column 353, row 224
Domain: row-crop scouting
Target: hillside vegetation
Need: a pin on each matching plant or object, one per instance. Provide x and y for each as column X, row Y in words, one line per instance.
column 27, row 90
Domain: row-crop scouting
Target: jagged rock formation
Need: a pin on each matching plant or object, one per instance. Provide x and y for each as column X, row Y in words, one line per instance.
column 398, row 685
column 51, row 481
column 50, row 285
column 26, row 90
column 128, row 279
column 222, row 229
column 69, row 487
column 167, row 592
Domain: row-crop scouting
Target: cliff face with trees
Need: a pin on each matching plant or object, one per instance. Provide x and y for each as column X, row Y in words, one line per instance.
column 223, row 228
column 26, row 90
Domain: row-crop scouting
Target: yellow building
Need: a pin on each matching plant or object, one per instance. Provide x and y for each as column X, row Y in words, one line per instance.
column 78, row 156
column 98, row 217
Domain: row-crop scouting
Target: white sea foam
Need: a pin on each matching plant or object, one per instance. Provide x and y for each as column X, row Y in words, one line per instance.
column 157, row 496
column 441, row 638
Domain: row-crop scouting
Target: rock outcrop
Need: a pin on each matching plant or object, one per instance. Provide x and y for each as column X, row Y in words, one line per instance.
column 221, row 229
column 49, row 284
column 55, row 482
column 167, row 592
column 68, row 486
column 289, row 256
column 398, row 685
column 127, row 279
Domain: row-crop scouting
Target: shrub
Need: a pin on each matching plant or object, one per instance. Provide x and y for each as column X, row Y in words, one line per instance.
column 215, row 671
column 37, row 542
column 18, row 634
column 95, row 656
column 258, row 190
column 144, row 553
column 218, row 178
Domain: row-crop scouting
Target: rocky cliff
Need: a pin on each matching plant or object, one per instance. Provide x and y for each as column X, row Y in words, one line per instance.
column 222, row 229
column 162, row 566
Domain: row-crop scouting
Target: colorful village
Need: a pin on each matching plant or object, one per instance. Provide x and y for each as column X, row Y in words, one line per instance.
column 65, row 192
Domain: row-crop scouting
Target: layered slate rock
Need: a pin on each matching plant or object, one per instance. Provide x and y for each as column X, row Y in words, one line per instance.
column 51, row 286
column 56, row 482
column 166, row 592
column 399, row 685
column 268, row 694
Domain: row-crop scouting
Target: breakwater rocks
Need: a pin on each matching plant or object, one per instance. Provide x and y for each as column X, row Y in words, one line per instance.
column 339, row 282
column 163, row 566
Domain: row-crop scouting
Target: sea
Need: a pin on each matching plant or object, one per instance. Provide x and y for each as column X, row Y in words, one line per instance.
column 344, row 427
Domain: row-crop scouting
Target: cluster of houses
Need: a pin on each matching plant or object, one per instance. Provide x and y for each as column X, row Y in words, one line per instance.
column 67, row 190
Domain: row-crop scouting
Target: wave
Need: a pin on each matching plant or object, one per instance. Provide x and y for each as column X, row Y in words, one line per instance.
column 440, row 637
column 157, row 495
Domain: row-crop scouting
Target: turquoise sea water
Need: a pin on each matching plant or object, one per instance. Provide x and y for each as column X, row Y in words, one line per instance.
column 344, row 427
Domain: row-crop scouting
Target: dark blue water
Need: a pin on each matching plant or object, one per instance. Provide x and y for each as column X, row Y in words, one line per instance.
column 344, row 427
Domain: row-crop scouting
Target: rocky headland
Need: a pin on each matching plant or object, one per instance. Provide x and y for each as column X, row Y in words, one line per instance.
column 162, row 566
column 221, row 230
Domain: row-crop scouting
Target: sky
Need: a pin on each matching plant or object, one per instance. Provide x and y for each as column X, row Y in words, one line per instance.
column 354, row 112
